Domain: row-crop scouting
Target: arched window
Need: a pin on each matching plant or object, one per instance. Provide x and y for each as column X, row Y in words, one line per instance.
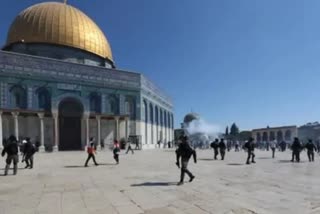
column 18, row 97
column 265, row 136
column 258, row 137
column 95, row 102
column 145, row 111
column 165, row 118
column 172, row 121
column 44, row 99
column 287, row 136
column 272, row 136
column 161, row 118
column 130, row 107
column 157, row 115
column 151, row 113
column 113, row 105
column 279, row 136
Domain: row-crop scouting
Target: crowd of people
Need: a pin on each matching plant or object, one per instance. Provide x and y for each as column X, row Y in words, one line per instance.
column 184, row 151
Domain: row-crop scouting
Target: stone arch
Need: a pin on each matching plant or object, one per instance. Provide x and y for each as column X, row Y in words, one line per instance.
column 165, row 118
column 95, row 102
column 157, row 115
column 113, row 104
column 151, row 119
column 18, row 97
column 259, row 137
column 57, row 100
column 44, row 98
column 288, row 135
column 265, row 136
column 272, row 136
column 172, row 121
column 70, row 114
column 130, row 107
column 279, row 136
column 161, row 117
column 145, row 105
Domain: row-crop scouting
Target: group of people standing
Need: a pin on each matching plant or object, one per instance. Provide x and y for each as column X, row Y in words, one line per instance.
column 11, row 149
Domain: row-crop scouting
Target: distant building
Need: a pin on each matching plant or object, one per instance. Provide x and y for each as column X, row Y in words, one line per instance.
column 282, row 133
column 309, row 131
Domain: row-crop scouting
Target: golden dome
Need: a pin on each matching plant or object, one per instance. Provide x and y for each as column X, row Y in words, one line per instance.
column 61, row 24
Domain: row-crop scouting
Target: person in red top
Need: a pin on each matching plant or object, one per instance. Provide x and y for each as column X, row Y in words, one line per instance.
column 91, row 151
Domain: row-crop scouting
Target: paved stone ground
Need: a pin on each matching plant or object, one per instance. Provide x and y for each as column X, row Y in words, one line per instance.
column 146, row 183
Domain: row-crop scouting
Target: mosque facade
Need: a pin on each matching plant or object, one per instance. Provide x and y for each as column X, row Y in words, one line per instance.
column 59, row 85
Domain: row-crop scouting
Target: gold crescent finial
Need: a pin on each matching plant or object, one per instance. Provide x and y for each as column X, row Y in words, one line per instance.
column 65, row 1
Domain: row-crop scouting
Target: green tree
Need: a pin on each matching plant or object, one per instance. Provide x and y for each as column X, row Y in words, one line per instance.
column 227, row 131
column 234, row 130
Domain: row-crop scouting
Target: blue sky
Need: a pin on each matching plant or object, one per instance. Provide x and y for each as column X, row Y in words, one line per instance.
column 252, row 62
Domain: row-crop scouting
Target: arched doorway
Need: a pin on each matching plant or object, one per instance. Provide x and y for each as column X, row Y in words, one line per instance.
column 70, row 114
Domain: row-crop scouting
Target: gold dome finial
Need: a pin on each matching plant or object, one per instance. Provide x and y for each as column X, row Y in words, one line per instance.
column 65, row 1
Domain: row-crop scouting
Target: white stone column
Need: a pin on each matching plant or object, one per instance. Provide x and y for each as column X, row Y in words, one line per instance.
column 98, row 118
column 117, row 135
column 16, row 124
column 41, row 117
column 1, row 132
column 56, row 131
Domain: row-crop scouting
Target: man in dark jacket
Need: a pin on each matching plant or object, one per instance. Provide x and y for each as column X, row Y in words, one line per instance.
column 215, row 146
column 185, row 152
column 11, row 149
column 28, row 152
column 310, row 150
column 222, row 148
column 249, row 146
column 296, row 149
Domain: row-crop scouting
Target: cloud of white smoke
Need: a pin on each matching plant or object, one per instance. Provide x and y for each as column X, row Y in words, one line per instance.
column 201, row 127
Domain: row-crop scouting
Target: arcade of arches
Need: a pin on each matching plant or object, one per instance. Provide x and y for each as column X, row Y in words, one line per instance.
column 284, row 133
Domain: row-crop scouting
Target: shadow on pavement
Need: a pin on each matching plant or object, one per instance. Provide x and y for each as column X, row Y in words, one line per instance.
column 235, row 164
column 107, row 164
column 150, row 184
column 264, row 158
column 284, row 161
column 75, row 166
column 206, row 159
column 22, row 168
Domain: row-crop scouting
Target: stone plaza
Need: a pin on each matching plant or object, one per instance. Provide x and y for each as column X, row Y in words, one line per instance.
column 146, row 183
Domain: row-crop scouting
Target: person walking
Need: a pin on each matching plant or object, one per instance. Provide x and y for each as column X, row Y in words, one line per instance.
column 237, row 147
column 310, row 150
column 215, row 146
column 222, row 148
column 249, row 145
column 129, row 148
column 91, row 153
column 273, row 146
column 116, row 151
column 184, row 152
column 11, row 149
column 296, row 149
column 28, row 152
